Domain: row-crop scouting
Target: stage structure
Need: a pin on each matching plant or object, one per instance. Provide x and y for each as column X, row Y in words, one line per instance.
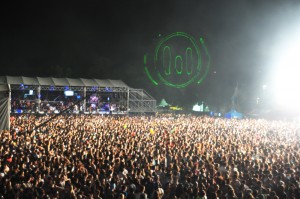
column 4, row 107
column 125, row 99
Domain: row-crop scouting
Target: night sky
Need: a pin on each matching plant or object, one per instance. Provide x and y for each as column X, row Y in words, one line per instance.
column 108, row 39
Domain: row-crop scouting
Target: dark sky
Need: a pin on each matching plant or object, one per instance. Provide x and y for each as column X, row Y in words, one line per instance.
column 107, row 40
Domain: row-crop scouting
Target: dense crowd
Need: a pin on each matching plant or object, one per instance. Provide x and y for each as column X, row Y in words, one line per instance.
column 51, row 107
column 24, row 105
column 156, row 157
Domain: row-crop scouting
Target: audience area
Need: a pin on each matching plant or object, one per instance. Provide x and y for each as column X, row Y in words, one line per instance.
column 158, row 157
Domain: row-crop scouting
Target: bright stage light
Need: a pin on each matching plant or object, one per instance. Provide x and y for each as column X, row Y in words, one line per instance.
column 286, row 72
column 264, row 87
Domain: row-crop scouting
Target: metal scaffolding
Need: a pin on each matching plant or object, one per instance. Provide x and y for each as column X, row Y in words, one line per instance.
column 140, row 101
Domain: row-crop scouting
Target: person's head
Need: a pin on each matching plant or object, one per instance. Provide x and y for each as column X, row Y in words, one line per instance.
column 142, row 188
column 272, row 194
column 143, row 196
column 121, row 196
column 261, row 196
column 123, row 188
column 156, row 195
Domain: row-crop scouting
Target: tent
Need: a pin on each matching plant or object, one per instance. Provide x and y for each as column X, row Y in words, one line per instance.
column 51, row 81
column 198, row 108
column 233, row 114
column 163, row 103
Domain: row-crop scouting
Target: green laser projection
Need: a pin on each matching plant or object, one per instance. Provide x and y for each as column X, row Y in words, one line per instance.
column 178, row 61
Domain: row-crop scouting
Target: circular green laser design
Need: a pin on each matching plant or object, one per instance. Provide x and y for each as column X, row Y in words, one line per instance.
column 178, row 67
column 189, row 53
column 168, row 69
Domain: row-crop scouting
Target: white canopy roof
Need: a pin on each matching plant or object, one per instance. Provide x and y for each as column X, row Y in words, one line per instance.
column 52, row 81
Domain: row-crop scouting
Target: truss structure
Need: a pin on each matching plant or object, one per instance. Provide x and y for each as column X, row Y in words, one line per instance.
column 141, row 102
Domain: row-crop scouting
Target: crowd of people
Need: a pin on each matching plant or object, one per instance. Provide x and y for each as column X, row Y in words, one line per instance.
column 54, row 107
column 158, row 157
column 30, row 106
column 27, row 106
